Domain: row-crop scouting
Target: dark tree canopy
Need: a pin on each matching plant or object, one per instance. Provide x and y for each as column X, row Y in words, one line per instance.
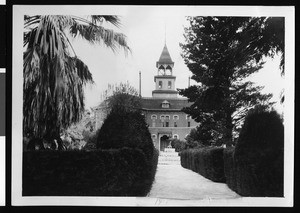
column 221, row 52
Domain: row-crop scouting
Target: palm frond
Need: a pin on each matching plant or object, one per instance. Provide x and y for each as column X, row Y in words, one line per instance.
column 99, row 34
column 53, row 78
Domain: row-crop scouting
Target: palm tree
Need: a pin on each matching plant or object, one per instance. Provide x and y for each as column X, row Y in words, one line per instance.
column 53, row 74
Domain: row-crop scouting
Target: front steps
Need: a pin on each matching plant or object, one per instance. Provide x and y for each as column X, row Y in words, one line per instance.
column 168, row 157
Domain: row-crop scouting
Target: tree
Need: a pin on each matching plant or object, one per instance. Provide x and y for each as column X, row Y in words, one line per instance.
column 121, row 97
column 54, row 75
column 221, row 52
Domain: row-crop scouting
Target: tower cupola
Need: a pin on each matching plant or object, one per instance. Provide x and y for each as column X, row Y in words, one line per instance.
column 164, row 80
column 165, row 64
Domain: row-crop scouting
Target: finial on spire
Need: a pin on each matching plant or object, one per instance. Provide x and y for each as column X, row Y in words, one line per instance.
column 165, row 34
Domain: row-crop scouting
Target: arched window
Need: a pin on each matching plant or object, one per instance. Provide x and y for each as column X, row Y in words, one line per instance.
column 188, row 117
column 175, row 136
column 168, row 117
column 153, row 136
column 153, row 117
column 169, row 84
column 175, row 117
column 165, row 104
column 160, row 83
column 162, row 117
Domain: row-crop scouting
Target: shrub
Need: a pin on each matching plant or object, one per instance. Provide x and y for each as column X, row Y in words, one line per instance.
column 91, row 140
column 259, row 155
column 178, row 145
column 123, row 172
column 125, row 129
column 230, row 168
column 206, row 161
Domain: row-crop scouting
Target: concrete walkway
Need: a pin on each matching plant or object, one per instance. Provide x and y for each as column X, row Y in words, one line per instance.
column 176, row 182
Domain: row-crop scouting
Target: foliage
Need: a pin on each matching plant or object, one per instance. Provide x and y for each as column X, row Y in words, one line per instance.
column 122, row 97
column 255, row 166
column 91, row 140
column 207, row 161
column 125, row 129
column 262, row 130
column 54, row 75
column 178, row 145
column 230, row 168
column 122, row 172
column 221, row 52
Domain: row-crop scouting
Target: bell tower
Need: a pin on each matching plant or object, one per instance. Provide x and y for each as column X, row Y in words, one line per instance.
column 164, row 80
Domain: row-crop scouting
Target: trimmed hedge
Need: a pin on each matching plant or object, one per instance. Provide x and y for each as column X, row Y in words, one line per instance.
column 125, row 129
column 260, row 178
column 255, row 167
column 122, row 172
column 207, row 161
column 229, row 168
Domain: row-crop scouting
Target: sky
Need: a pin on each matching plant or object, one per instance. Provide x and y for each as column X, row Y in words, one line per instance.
column 146, row 31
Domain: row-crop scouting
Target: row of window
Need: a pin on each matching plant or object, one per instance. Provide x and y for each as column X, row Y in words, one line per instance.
column 166, row 124
column 167, row 117
column 175, row 136
column 160, row 84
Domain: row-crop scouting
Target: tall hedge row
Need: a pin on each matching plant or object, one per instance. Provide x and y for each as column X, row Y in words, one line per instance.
column 259, row 178
column 207, row 161
column 255, row 166
column 118, row 172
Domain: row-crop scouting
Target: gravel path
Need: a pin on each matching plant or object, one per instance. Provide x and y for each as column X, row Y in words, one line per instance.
column 176, row 182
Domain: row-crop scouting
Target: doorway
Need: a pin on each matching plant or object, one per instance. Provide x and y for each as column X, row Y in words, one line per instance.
column 164, row 142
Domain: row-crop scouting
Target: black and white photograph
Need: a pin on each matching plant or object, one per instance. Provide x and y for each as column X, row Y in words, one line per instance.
column 152, row 105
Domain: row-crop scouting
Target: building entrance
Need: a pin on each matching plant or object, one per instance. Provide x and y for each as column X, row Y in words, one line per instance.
column 164, row 142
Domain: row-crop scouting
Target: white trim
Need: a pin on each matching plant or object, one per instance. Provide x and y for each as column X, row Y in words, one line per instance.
column 152, row 116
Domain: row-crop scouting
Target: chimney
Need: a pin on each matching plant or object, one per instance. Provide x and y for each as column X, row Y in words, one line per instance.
column 140, row 85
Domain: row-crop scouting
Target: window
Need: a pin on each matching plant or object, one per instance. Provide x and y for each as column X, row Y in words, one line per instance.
column 167, row 124
column 153, row 136
column 153, row 117
column 175, row 117
column 165, row 104
column 153, row 123
column 175, row 136
column 162, row 117
column 169, row 84
column 188, row 117
column 168, row 117
column 189, row 124
column 175, row 124
column 160, row 84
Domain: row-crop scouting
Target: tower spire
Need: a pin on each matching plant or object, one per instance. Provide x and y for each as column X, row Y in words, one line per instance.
column 165, row 34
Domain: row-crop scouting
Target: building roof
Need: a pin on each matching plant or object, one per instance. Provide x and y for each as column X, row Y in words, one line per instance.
column 155, row 103
column 165, row 57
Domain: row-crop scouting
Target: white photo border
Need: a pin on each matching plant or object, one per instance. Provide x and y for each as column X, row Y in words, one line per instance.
column 17, row 99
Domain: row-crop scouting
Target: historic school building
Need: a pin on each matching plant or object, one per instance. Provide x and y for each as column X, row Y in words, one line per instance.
column 163, row 110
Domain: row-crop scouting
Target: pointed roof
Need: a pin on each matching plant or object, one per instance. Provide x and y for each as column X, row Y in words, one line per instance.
column 165, row 57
